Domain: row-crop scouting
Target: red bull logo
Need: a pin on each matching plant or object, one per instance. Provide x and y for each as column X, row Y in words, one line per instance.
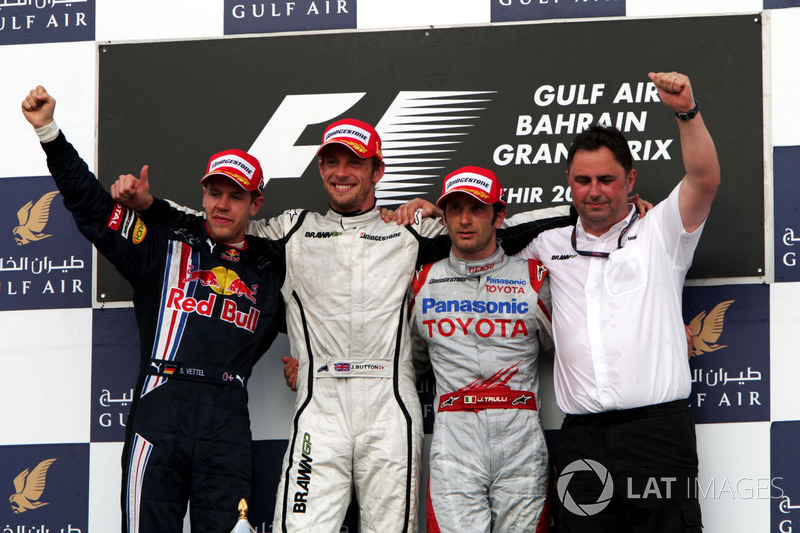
column 230, row 312
column 231, row 255
column 222, row 281
column 205, row 277
column 178, row 300
column 240, row 288
column 248, row 321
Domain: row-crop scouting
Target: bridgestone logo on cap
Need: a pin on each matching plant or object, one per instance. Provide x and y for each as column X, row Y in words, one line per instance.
column 348, row 131
column 232, row 161
column 469, row 180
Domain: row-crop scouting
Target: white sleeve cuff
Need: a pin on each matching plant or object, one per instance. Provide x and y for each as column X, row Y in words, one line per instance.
column 47, row 133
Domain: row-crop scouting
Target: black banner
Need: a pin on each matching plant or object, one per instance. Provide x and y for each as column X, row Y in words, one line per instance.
column 509, row 98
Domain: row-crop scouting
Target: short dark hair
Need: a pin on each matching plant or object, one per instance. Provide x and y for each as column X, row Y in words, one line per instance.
column 375, row 161
column 496, row 207
column 598, row 136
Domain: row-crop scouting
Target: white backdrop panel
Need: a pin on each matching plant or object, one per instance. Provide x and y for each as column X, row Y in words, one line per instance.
column 785, row 51
column 46, row 362
column 126, row 20
column 734, row 476
column 66, row 70
column 406, row 13
column 105, row 476
column 784, row 356
column 651, row 8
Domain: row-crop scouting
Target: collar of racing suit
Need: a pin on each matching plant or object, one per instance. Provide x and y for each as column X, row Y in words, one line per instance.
column 347, row 221
column 354, row 213
column 480, row 267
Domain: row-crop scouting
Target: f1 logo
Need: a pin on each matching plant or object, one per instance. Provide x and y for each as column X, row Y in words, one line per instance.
column 275, row 145
column 413, row 123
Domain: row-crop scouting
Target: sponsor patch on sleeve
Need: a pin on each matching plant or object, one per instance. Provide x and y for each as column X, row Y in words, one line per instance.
column 127, row 223
column 115, row 219
column 139, row 231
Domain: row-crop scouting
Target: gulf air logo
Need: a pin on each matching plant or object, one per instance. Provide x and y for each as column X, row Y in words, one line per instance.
column 33, row 217
column 29, row 486
column 707, row 329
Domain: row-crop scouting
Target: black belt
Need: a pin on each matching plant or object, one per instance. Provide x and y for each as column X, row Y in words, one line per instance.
column 628, row 415
column 194, row 372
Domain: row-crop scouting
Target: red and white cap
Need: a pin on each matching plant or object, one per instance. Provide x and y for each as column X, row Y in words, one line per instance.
column 239, row 166
column 480, row 183
column 359, row 136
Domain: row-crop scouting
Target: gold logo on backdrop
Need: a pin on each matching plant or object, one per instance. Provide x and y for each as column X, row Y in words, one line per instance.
column 708, row 328
column 32, row 220
column 30, row 486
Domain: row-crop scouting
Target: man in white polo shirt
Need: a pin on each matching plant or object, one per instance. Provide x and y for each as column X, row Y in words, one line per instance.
column 621, row 373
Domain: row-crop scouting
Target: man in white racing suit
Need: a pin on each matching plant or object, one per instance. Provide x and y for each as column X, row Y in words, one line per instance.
column 483, row 318
column 357, row 419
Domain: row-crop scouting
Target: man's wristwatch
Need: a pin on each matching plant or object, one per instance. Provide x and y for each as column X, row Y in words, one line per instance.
column 689, row 115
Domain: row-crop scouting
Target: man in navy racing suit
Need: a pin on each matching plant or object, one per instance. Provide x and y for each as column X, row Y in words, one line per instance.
column 207, row 306
column 482, row 318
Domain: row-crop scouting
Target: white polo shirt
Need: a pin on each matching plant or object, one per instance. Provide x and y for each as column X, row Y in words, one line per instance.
column 617, row 321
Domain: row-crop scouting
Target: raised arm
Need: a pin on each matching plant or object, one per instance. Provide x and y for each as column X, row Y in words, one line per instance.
column 96, row 215
column 702, row 177
column 38, row 107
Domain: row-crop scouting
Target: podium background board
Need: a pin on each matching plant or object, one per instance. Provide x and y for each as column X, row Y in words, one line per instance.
column 169, row 83
column 509, row 98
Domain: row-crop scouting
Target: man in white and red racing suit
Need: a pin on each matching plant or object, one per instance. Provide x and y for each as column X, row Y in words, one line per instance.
column 357, row 420
column 483, row 318
column 206, row 312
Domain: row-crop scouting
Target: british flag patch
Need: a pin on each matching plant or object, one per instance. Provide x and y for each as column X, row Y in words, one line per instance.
column 341, row 367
